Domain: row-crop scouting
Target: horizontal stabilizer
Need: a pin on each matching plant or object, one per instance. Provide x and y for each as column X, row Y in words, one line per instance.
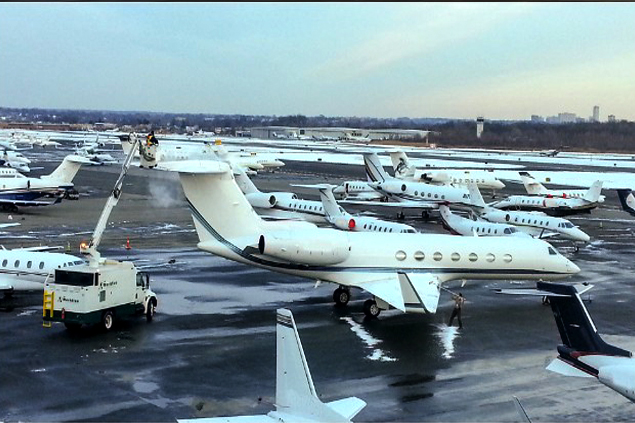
column 195, row 166
column 580, row 288
column 560, row 367
column 347, row 407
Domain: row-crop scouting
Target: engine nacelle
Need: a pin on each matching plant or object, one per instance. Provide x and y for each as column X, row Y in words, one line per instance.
column 261, row 200
column 310, row 249
column 435, row 176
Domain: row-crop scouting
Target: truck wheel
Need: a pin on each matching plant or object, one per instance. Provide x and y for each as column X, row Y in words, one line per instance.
column 108, row 320
column 152, row 307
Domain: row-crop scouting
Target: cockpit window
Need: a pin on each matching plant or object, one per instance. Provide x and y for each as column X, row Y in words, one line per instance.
column 552, row 252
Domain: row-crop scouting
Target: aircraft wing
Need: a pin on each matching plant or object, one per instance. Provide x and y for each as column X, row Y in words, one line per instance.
column 8, row 225
column 4, row 287
column 29, row 203
column 237, row 419
column 421, row 205
column 412, row 290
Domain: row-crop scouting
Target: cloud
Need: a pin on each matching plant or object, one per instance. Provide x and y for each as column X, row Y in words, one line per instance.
column 415, row 31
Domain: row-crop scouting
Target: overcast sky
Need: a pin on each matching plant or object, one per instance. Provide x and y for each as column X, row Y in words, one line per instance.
column 453, row 60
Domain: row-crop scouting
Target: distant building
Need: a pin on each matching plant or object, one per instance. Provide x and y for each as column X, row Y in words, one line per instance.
column 611, row 118
column 480, row 121
column 566, row 117
column 596, row 113
column 537, row 119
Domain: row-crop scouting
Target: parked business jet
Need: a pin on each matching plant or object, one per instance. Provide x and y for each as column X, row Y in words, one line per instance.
column 627, row 199
column 583, row 353
column 536, row 224
column 555, row 206
column 458, row 178
column 460, row 225
column 279, row 205
column 397, row 189
column 16, row 160
column 534, row 187
column 25, row 269
column 296, row 398
column 341, row 219
column 45, row 190
column 404, row 271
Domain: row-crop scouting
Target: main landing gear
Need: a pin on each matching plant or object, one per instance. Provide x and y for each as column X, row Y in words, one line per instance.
column 342, row 296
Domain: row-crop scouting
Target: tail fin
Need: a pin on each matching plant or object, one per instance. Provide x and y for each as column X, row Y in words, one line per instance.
column 401, row 164
column 67, row 170
column 475, row 195
column 328, row 201
column 577, row 331
column 627, row 199
column 593, row 194
column 244, row 182
column 532, row 186
column 219, row 209
column 295, row 392
column 374, row 170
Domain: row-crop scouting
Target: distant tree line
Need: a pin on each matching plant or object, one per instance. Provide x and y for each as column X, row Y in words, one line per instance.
column 599, row 137
column 610, row 136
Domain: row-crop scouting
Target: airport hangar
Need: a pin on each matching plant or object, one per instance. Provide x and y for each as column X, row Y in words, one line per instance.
column 272, row 132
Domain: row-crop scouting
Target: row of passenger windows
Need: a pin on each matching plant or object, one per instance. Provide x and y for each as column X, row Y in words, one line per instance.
column 376, row 228
column 460, row 181
column 438, row 256
column 480, row 230
column 29, row 264
column 306, row 207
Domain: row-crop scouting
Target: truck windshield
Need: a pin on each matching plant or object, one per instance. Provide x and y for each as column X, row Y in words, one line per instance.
column 69, row 277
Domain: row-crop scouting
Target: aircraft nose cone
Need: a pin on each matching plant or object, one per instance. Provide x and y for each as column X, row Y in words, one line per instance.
column 572, row 268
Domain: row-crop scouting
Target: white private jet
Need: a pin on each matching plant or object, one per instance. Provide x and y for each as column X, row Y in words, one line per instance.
column 536, row 224
column 26, row 269
column 45, row 190
column 16, row 160
column 459, row 178
column 403, row 271
column 460, row 225
column 409, row 194
column 555, row 206
column 583, row 353
column 296, row 397
column 279, row 205
column 534, row 187
column 341, row 219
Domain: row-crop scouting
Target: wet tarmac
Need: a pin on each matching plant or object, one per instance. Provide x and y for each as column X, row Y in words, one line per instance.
column 210, row 350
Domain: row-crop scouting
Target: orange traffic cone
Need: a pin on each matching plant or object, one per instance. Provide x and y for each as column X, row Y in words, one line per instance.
column 128, row 243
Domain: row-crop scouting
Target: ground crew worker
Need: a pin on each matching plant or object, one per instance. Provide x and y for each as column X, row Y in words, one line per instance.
column 456, row 312
column 151, row 139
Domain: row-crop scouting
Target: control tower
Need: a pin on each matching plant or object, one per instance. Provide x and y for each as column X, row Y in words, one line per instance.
column 479, row 126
